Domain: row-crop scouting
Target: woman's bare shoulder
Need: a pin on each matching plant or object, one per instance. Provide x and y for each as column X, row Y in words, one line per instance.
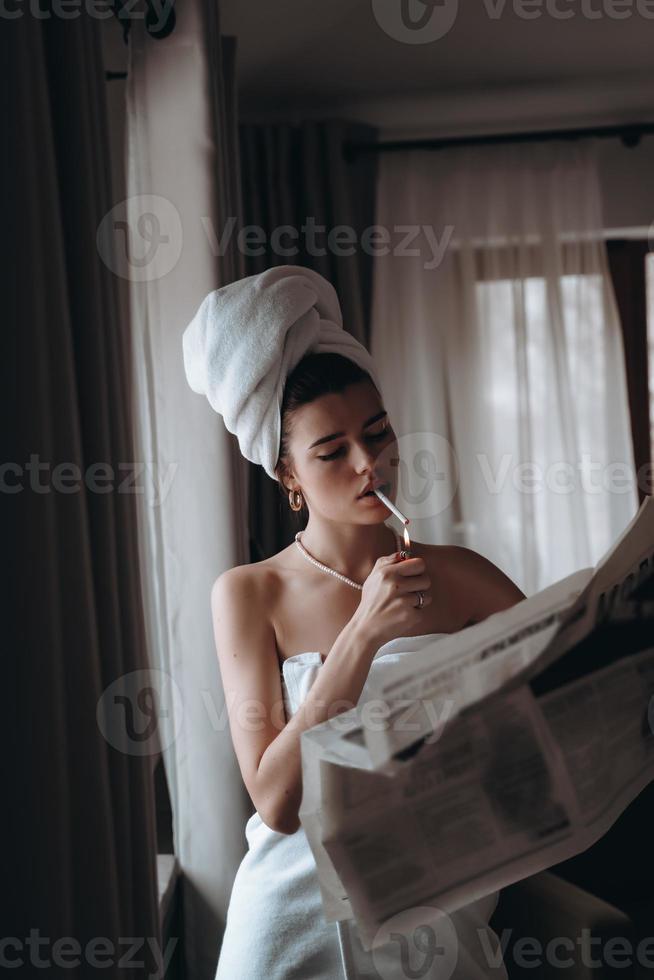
column 489, row 588
column 242, row 602
column 253, row 576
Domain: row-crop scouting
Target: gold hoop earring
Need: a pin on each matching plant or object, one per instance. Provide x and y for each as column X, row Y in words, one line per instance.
column 295, row 499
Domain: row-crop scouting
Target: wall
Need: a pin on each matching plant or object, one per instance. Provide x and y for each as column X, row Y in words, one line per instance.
column 626, row 174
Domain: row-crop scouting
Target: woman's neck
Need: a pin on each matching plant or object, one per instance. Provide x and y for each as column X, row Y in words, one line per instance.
column 350, row 549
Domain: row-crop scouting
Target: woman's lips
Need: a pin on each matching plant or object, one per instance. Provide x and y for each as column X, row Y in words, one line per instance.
column 384, row 487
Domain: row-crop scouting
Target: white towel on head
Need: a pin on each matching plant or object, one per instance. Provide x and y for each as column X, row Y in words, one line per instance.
column 247, row 337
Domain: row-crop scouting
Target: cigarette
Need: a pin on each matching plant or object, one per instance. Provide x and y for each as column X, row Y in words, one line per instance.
column 406, row 551
column 391, row 506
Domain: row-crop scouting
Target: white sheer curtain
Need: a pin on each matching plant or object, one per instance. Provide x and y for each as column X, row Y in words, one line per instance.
column 193, row 517
column 500, row 334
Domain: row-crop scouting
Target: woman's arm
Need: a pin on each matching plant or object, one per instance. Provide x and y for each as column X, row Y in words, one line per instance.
column 267, row 747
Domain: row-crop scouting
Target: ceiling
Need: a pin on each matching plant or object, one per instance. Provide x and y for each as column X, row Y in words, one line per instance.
column 292, row 53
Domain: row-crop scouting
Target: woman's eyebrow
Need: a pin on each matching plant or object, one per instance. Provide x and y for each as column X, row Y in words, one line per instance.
column 337, row 435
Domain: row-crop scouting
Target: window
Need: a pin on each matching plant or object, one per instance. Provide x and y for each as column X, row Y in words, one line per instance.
column 527, row 418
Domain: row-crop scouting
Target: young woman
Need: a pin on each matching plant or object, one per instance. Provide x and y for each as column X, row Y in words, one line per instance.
column 296, row 636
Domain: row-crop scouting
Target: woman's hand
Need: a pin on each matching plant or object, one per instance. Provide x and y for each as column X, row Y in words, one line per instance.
column 389, row 599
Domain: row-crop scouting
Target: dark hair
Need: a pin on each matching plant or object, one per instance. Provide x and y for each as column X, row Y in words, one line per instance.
column 315, row 375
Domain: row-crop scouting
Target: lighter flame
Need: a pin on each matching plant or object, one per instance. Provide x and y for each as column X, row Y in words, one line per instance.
column 407, row 539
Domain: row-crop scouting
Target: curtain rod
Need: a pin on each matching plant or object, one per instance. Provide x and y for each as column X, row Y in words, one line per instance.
column 629, row 133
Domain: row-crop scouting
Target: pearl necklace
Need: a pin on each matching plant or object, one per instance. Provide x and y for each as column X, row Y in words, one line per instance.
column 326, row 568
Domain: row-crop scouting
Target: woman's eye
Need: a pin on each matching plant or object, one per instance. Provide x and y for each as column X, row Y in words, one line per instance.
column 378, row 435
column 374, row 438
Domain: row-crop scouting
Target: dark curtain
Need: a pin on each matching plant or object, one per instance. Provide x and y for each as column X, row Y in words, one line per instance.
column 298, row 176
column 81, row 850
column 619, row 866
column 627, row 265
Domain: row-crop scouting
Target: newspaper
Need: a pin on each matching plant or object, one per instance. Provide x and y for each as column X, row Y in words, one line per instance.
column 492, row 754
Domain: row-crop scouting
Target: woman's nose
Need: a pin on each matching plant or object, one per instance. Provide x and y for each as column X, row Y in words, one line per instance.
column 366, row 458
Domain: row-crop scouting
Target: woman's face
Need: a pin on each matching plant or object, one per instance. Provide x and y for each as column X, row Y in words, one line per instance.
column 332, row 472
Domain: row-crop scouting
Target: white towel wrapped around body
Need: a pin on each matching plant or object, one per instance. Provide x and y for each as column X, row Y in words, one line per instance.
column 247, row 337
column 276, row 927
